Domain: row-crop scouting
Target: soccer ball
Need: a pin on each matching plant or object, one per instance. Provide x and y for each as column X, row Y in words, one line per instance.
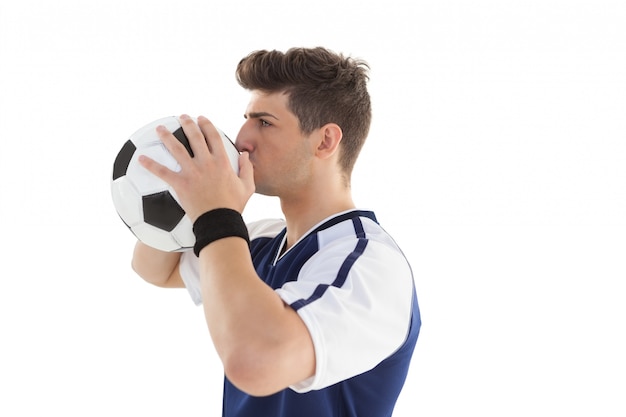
column 147, row 205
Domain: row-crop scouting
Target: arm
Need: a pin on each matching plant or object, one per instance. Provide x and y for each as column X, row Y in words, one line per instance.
column 157, row 267
column 263, row 343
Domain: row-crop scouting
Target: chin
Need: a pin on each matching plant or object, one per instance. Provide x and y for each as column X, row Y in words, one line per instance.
column 264, row 192
column 262, row 189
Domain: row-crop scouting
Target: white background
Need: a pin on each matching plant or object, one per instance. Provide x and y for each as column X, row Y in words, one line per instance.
column 496, row 159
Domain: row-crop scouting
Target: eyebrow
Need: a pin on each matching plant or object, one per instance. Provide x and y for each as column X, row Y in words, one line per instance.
column 256, row 115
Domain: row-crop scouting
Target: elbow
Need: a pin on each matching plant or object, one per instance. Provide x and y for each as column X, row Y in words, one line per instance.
column 154, row 266
column 261, row 367
column 252, row 374
column 150, row 279
column 136, row 267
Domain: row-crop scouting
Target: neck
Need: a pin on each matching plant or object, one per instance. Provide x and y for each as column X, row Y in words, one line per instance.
column 305, row 211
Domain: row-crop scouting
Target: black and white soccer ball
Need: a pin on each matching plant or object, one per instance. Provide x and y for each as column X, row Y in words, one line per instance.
column 147, row 205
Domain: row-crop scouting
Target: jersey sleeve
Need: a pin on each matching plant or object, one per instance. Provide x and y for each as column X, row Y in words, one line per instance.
column 189, row 266
column 352, row 293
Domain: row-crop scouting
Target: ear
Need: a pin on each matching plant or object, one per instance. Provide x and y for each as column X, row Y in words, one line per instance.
column 330, row 136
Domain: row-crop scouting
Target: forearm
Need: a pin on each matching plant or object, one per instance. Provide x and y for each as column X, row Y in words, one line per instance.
column 263, row 343
column 155, row 266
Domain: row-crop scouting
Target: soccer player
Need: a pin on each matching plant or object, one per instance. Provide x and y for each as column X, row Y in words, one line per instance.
column 314, row 315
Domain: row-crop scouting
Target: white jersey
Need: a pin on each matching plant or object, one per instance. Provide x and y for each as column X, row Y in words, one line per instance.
column 352, row 287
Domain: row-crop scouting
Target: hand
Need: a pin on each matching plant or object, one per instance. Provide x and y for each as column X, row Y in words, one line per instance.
column 206, row 181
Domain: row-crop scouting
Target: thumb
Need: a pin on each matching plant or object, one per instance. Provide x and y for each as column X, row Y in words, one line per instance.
column 246, row 171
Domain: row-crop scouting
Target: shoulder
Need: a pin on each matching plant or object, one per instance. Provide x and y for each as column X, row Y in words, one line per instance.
column 268, row 228
column 356, row 233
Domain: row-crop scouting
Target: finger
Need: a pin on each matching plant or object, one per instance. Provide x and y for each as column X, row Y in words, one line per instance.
column 246, row 171
column 213, row 137
column 157, row 169
column 173, row 145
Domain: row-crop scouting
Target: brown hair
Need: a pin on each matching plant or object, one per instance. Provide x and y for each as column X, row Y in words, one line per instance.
column 323, row 87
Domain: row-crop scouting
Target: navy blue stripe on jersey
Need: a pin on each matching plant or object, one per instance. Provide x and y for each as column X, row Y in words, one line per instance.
column 352, row 215
column 358, row 228
column 339, row 280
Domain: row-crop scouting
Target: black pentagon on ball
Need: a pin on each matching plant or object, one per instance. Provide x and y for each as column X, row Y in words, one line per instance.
column 161, row 210
column 120, row 166
column 182, row 138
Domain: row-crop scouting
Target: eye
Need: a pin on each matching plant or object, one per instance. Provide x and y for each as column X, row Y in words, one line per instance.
column 264, row 123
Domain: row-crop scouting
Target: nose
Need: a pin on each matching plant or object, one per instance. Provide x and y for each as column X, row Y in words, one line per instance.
column 243, row 141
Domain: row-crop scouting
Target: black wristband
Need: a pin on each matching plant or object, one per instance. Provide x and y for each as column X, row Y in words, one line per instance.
column 217, row 224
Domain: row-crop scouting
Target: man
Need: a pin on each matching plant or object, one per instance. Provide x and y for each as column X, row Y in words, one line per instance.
column 315, row 315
